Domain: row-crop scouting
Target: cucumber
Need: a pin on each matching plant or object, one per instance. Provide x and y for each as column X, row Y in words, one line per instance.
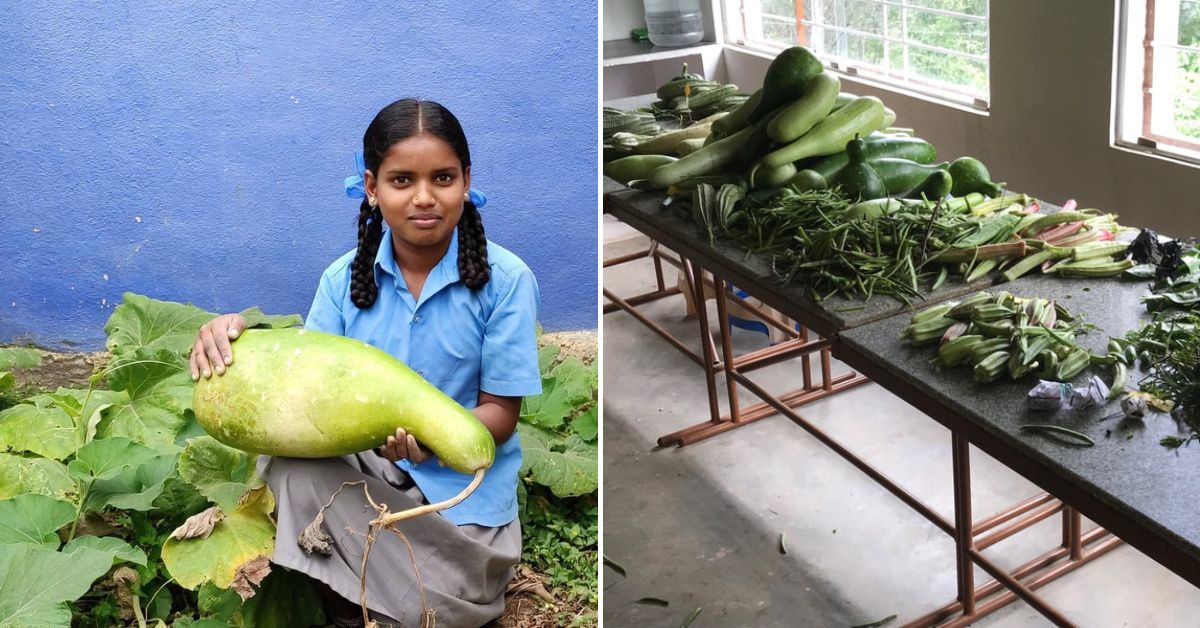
column 687, row 147
column 900, row 176
column 762, row 177
column 708, row 160
column 737, row 119
column 808, row 180
column 881, row 146
column 633, row 167
column 805, row 112
column 787, row 79
column 842, row 100
column 860, row 117
column 307, row 394
column 668, row 142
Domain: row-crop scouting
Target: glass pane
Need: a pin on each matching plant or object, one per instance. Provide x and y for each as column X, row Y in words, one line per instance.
column 944, row 31
column 1189, row 22
column 779, row 30
column 969, row 7
column 943, row 68
column 1186, row 94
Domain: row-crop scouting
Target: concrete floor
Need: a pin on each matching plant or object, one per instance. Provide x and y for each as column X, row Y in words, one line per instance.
column 699, row 527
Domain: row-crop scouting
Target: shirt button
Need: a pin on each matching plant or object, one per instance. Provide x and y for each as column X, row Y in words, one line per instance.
column 420, row 372
column 416, row 319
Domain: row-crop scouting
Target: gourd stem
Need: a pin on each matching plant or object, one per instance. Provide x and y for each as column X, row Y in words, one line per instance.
column 396, row 517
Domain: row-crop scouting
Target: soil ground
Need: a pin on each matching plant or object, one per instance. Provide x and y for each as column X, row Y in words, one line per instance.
column 525, row 608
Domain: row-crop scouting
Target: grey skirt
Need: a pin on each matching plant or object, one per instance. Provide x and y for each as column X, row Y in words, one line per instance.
column 463, row 569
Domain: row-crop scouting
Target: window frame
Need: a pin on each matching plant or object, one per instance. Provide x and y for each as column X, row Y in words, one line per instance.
column 740, row 32
column 1134, row 104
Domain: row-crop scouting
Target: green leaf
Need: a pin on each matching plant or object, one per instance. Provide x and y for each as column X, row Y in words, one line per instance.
column 35, row 582
column 134, row 488
column 256, row 318
column 546, row 356
column 221, row 473
column 243, row 535
column 140, row 321
column 587, row 425
column 19, row 358
column 566, row 387
column 180, row 498
column 568, row 467
column 160, row 392
column 285, row 598
column 7, row 381
column 40, row 476
column 34, row 519
column 48, row 432
column 72, row 400
column 105, row 458
column 220, row 603
column 111, row 545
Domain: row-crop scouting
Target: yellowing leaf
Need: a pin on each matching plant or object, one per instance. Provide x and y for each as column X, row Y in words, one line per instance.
column 244, row 534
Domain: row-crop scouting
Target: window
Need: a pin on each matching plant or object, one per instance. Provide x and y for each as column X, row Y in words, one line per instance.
column 935, row 47
column 1159, row 80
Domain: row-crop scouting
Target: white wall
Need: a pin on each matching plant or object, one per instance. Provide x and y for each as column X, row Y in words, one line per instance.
column 1048, row 132
column 622, row 16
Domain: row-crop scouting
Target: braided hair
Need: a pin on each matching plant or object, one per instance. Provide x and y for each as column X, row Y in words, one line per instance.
column 394, row 123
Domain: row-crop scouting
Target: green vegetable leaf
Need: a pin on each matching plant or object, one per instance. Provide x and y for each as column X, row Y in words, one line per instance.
column 256, row 318
column 47, row 431
column 587, row 425
column 35, row 582
column 546, row 356
column 111, row 545
column 134, row 488
column 568, row 467
column 219, row 603
column 142, row 322
column 7, row 380
column 222, row 474
column 564, row 388
column 285, row 598
column 40, row 476
column 33, row 519
column 19, row 358
column 243, row 535
column 105, row 458
column 160, row 392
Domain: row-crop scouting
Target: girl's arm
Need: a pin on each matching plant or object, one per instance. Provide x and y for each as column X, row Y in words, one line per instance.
column 498, row 414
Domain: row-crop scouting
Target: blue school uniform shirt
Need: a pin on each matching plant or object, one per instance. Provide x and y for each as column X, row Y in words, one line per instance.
column 462, row 341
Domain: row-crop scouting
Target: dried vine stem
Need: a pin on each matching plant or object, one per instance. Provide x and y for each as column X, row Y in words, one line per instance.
column 387, row 519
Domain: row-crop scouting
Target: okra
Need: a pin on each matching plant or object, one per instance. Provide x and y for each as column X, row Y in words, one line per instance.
column 1072, row 365
column 991, row 367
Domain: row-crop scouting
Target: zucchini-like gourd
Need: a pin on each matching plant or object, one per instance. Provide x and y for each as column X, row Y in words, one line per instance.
column 829, row 136
column 307, row 394
column 879, row 146
column 805, row 112
column 858, row 180
column 633, row 167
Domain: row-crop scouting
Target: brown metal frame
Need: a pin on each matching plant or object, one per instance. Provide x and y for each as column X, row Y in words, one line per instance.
column 798, row 345
column 971, row 537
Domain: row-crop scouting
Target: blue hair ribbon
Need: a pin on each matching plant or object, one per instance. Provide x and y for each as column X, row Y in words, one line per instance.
column 355, row 184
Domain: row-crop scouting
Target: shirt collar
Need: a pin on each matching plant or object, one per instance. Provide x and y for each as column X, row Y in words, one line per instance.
column 442, row 275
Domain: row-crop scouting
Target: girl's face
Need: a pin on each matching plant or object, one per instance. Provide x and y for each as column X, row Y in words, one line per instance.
column 420, row 188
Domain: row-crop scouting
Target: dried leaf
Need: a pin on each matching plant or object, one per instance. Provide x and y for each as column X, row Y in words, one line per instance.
column 527, row 581
column 249, row 575
column 314, row 538
column 878, row 624
column 123, row 578
column 653, row 601
column 199, row 525
column 615, row 567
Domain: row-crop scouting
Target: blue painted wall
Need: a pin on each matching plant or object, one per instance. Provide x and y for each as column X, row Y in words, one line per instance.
column 195, row 151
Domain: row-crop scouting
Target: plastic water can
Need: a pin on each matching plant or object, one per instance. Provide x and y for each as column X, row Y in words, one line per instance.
column 674, row 22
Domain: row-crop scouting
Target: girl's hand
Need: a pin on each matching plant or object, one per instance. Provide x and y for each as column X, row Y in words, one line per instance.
column 404, row 446
column 211, row 351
